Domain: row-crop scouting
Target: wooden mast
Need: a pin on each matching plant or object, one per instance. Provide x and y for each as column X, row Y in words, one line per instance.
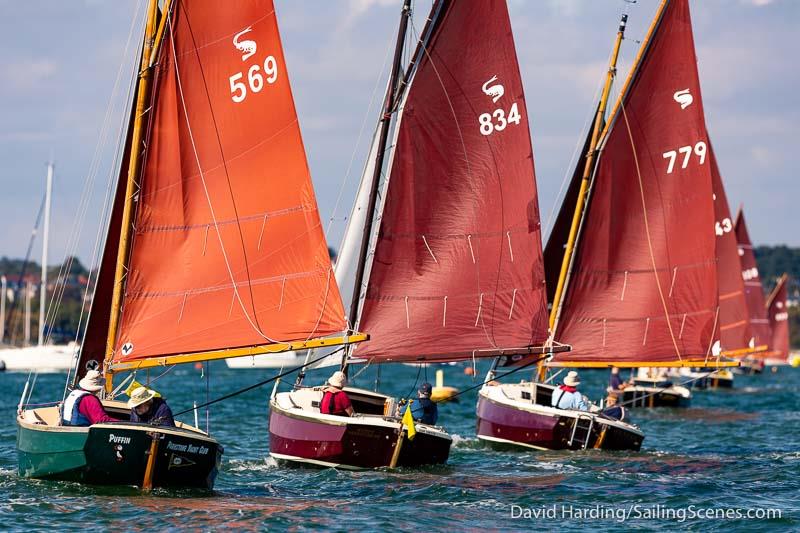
column 385, row 121
column 134, row 164
column 587, row 173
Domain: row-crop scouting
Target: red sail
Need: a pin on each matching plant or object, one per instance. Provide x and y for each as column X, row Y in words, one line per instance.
column 458, row 264
column 643, row 286
column 734, row 322
column 228, row 250
column 778, row 312
column 754, row 292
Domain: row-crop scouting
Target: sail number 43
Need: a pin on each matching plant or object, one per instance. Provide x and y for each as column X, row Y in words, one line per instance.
column 699, row 149
column 497, row 120
column 255, row 79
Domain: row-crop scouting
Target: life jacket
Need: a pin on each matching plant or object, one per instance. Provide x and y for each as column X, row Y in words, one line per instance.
column 328, row 403
column 71, row 416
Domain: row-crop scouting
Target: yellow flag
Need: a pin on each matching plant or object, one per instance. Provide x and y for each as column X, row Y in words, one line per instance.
column 408, row 421
column 135, row 385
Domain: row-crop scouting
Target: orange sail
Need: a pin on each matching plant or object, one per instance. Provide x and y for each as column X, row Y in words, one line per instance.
column 227, row 247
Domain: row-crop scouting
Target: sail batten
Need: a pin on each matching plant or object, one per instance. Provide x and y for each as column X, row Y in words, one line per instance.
column 228, row 248
column 642, row 287
column 457, row 269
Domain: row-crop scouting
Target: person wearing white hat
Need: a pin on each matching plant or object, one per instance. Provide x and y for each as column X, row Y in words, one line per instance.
column 566, row 396
column 334, row 400
column 148, row 408
column 82, row 407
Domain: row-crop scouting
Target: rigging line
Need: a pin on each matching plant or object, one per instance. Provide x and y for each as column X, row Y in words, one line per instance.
column 424, row 48
column 94, row 170
column 647, row 232
column 224, row 162
column 495, row 378
column 548, row 227
column 259, row 384
column 367, row 114
column 255, row 326
column 111, row 182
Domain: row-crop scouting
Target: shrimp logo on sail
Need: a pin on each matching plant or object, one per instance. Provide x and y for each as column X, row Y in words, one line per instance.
column 247, row 47
column 684, row 98
column 494, row 91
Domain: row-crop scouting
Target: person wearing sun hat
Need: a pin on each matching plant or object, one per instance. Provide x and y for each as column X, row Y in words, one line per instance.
column 566, row 396
column 148, row 408
column 334, row 400
column 82, row 407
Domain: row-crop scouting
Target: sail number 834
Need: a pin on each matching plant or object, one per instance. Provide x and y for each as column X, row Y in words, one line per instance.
column 255, row 79
column 497, row 120
column 699, row 149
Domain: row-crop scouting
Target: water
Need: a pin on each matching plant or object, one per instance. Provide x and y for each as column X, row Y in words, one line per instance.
column 732, row 450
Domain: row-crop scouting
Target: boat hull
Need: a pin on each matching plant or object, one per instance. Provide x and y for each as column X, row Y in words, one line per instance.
column 117, row 454
column 361, row 442
column 643, row 396
column 504, row 424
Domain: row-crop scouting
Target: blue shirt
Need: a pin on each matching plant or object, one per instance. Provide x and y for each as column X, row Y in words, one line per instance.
column 425, row 411
column 159, row 414
column 564, row 399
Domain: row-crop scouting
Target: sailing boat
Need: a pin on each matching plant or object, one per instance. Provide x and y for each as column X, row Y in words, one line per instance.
column 216, row 230
column 778, row 313
column 42, row 357
column 734, row 334
column 637, row 285
column 754, row 293
column 451, row 269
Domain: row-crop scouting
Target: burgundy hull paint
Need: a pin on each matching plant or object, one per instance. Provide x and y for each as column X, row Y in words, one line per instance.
column 355, row 445
column 551, row 432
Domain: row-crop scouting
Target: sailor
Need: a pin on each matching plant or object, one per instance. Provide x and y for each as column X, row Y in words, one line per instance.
column 82, row 407
column 615, row 383
column 567, row 396
column 424, row 410
column 334, row 400
column 148, row 408
column 612, row 409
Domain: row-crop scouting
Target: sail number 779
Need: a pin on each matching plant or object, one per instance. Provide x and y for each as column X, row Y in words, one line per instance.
column 497, row 120
column 699, row 149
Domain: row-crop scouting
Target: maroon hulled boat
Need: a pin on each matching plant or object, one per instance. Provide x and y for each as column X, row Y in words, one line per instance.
column 370, row 439
column 518, row 414
column 447, row 266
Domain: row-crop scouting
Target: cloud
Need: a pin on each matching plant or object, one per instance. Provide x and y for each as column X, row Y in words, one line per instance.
column 28, row 74
column 25, row 136
column 757, row 3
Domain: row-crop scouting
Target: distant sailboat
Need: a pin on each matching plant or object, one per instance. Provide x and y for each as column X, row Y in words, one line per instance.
column 43, row 357
column 451, row 268
column 214, row 249
column 778, row 313
column 754, row 294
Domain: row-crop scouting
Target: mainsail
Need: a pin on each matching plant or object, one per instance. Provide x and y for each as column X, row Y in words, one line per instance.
column 754, row 292
column 643, row 285
column 734, row 322
column 457, row 266
column 227, row 248
column 778, row 313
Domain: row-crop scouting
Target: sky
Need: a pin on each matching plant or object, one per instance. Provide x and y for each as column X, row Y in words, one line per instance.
column 60, row 60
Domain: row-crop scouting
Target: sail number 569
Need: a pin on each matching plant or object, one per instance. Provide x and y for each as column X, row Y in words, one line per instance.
column 255, row 80
column 699, row 149
column 497, row 120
